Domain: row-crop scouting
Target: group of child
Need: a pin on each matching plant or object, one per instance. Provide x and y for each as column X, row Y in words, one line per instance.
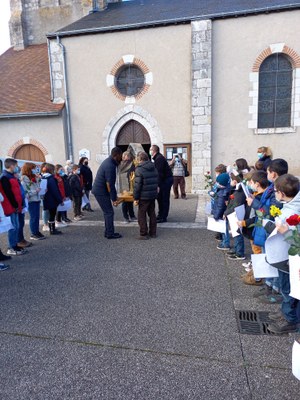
column 270, row 195
column 21, row 191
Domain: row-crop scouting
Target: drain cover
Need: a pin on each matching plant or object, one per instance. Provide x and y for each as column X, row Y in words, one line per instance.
column 253, row 322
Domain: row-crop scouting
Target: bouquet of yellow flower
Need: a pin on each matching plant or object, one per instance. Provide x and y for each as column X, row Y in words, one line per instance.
column 275, row 211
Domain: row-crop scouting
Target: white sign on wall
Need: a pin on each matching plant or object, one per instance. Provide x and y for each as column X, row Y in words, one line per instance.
column 85, row 153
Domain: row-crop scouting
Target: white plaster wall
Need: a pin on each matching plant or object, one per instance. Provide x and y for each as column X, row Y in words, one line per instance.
column 165, row 51
column 236, row 45
column 47, row 131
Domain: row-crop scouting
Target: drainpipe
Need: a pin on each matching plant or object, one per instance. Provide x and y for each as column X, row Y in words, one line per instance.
column 50, row 69
column 69, row 138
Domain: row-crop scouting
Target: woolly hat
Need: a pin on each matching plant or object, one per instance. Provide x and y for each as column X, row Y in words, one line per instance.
column 223, row 179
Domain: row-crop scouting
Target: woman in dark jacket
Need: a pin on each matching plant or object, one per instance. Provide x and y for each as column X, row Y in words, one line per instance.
column 87, row 180
column 52, row 196
column 264, row 154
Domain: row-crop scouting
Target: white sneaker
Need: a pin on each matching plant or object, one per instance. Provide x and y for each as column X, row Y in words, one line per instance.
column 45, row 228
column 247, row 265
column 60, row 225
column 77, row 218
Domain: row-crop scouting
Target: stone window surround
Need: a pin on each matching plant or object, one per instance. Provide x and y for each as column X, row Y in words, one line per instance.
column 254, row 82
column 129, row 59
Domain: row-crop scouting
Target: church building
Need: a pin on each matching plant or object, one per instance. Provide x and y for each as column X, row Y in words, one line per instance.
column 208, row 79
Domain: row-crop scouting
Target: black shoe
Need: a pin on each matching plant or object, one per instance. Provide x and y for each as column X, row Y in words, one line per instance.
column 114, row 236
column 3, row 257
column 160, row 221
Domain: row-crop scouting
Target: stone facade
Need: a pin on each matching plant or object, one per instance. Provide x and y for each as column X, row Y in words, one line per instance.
column 201, row 101
column 32, row 19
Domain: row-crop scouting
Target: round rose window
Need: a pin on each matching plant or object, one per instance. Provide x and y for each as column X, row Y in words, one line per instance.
column 129, row 80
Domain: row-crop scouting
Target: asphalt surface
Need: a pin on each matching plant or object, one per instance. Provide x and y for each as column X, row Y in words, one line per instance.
column 83, row 317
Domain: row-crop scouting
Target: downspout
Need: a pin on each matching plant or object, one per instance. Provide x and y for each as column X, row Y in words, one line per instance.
column 67, row 105
column 50, row 69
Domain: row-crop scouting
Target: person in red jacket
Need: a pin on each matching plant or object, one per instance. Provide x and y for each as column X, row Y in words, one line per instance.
column 12, row 204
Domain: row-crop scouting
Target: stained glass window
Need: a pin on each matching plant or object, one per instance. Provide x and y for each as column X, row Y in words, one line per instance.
column 129, row 80
column 275, row 92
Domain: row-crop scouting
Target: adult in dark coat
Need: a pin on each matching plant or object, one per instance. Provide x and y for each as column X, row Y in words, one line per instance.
column 165, row 182
column 104, row 190
column 87, row 179
column 145, row 193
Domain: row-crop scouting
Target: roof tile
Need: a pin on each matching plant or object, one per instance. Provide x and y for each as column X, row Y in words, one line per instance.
column 25, row 81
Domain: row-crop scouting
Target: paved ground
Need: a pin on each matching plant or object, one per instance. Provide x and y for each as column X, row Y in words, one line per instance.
column 82, row 317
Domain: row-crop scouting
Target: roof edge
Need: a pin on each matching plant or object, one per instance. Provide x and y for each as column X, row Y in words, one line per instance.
column 147, row 24
column 30, row 114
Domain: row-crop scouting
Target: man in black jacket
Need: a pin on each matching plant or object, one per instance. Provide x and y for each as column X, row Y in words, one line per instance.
column 165, row 182
column 104, row 190
column 144, row 194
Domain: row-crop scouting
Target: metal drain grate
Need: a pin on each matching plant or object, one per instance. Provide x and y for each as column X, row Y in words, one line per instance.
column 253, row 322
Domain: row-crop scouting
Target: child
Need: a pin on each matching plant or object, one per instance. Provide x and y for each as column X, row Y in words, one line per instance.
column 220, row 169
column 258, row 184
column 237, row 198
column 12, row 204
column 59, row 173
column 30, row 183
column 76, row 191
column 52, row 197
column 3, row 257
column 286, row 192
column 219, row 205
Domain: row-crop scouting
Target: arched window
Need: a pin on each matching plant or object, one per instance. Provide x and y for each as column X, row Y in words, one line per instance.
column 275, row 92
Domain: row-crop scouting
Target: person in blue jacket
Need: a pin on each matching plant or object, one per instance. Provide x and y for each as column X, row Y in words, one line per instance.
column 104, row 190
column 220, row 204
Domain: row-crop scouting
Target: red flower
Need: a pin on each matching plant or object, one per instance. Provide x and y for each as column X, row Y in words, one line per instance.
column 293, row 220
column 33, row 180
column 261, row 210
column 231, row 196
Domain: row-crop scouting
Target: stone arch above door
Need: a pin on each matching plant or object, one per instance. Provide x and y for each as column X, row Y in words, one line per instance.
column 130, row 112
column 28, row 149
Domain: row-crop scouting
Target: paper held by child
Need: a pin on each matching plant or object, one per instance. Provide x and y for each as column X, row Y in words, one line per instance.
column 246, row 190
column 261, row 269
column 234, row 228
column 43, row 187
column 294, row 263
column 216, row 226
column 66, row 206
column 296, row 359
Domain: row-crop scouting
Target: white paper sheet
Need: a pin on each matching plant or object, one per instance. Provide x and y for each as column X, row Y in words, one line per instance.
column 294, row 262
column 67, row 205
column 276, row 247
column 216, row 226
column 25, row 209
column 84, row 201
column 240, row 212
column 5, row 224
column 43, row 186
column 261, row 269
column 296, row 359
column 234, row 228
column 246, row 190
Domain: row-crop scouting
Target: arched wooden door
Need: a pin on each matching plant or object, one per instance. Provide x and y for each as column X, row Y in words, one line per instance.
column 133, row 132
column 29, row 152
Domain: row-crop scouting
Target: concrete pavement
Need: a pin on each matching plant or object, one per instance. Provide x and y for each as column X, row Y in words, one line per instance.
column 82, row 317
